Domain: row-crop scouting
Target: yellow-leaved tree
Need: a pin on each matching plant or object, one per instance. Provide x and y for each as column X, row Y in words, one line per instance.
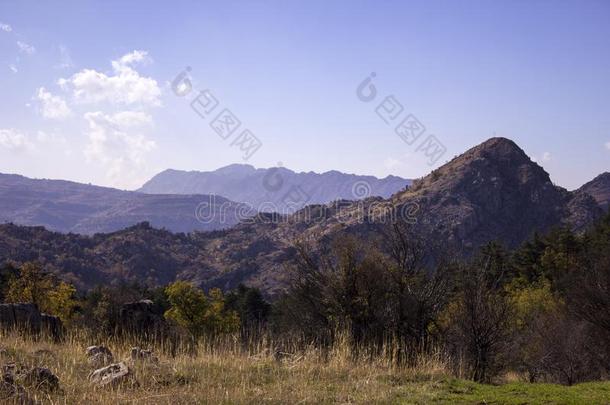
column 198, row 313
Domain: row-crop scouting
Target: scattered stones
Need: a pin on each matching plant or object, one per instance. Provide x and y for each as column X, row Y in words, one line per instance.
column 41, row 378
column 99, row 356
column 112, row 375
column 145, row 356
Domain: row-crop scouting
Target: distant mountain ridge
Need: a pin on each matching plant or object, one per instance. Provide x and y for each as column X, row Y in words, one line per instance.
column 66, row 206
column 275, row 189
column 492, row 192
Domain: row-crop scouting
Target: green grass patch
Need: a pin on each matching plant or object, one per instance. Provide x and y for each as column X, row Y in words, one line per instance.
column 466, row 392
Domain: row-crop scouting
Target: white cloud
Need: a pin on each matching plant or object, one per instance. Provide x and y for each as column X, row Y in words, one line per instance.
column 130, row 59
column 52, row 107
column 608, row 145
column 5, row 27
column 14, row 140
column 117, row 142
column 13, row 68
column 26, row 48
column 125, row 87
column 545, row 157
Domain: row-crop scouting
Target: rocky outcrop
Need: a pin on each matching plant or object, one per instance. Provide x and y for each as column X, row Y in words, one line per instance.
column 111, row 376
column 142, row 318
column 51, row 326
column 138, row 355
column 99, row 356
column 494, row 191
column 40, row 378
column 599, row 189
column 27, row 318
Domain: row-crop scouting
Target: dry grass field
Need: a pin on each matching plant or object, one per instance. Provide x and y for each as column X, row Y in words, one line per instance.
column 228, row 375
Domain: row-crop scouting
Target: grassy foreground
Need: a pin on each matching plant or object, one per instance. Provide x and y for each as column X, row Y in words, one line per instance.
column 229, row 376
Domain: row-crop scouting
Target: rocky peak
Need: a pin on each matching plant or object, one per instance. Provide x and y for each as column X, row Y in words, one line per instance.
column 599, row 189
column 496, row 164
column 492, row 189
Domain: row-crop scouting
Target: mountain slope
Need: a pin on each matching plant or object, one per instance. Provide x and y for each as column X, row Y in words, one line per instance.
column 495, row 191
column 276, row 189
column 491, row 192
column 599, row 189
column 73, row 207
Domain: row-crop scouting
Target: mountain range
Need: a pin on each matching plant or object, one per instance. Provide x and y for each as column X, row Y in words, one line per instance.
column 66, row 206
column 276, row 189
column 493, row 191
column 178, row 201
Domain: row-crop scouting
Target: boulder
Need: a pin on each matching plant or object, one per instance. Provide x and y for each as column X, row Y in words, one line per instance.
column 13, row 393
column 20, row 316
column 112, row 375
column 145, row 356
column 27, row 318
column 9, row 369
column 41, row 378
column 51, row 326
column 142, row 318
column 99, row 356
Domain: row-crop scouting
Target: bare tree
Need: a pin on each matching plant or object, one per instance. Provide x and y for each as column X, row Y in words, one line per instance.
column 482, row 320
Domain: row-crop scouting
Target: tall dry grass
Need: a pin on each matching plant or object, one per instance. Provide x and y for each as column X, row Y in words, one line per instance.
column 225, row 371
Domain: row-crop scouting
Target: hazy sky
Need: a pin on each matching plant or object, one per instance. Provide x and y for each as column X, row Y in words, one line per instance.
column 87, row 94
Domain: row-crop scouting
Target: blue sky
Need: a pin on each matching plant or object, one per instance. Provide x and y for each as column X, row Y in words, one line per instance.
column 87, row 92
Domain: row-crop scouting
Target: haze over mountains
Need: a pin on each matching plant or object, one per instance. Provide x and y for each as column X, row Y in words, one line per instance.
column 493, row 191
column 179, row 201
column 66, row 206
column 276, row 189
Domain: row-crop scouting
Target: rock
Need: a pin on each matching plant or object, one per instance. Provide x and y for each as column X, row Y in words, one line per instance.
column 26, row 318
column 51, row 326
column 112, row 375
column 99, row 356
column 142, row 318
column 145, row 356
column 11, row 369
column 14, row 394
column 41, row 378
column 92, row 350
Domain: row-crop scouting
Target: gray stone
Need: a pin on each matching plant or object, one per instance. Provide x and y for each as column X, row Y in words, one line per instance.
column 112, row 375
column 27, row 318
column 99, row 356
column 41, row 378
column 141, row 355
